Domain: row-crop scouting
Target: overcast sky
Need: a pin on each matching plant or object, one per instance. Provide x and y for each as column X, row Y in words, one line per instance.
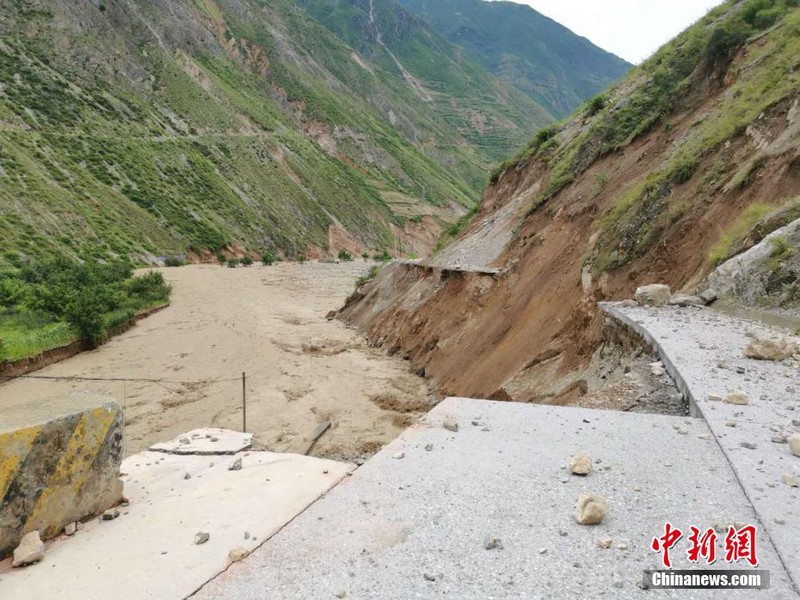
column 632, row 29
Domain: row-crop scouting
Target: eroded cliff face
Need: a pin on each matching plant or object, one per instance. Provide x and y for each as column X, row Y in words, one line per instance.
column 640, row 191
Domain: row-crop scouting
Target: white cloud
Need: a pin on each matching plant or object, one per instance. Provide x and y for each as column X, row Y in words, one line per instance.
column 632, row 29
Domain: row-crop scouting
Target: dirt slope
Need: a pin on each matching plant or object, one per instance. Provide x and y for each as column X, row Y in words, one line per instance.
column 658, row 184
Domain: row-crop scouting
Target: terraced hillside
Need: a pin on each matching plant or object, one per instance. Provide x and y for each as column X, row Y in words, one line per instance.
column 148, row 128
column 555, row 67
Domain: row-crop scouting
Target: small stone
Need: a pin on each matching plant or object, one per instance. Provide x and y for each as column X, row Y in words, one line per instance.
column 184, row 441
column 737, row 397
column 580, row 464
column 657, row 369
column 778, row 439
column 238, row 554
column 341, row 594
column 71, row 528
column 187, row 476
column 235, row 465
column 715, row 398
column 618, row 583
column 450, row 424
column 201, row 537
column 247, row 535
column 685, row 300
column 590, row 509
column 794, row 443
column 429, row 577
column 681, row 431
column 622, row 546
column 213, row 439
column 542, row 550
column 704, row 436
column 399, row 455
column 789, row 479
column 730, row 423
column 748, row 445
column 492, row 543
column 779, row 521
column 637, row 488
column 110, row 514
column 428, row 447
column 708, row 296
column 605, row 543
column 29, row 551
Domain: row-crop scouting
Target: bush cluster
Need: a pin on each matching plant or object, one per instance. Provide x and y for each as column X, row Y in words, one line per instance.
column 91, row 297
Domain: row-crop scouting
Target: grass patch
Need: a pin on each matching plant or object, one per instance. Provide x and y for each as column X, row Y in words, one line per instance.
column 731, row 238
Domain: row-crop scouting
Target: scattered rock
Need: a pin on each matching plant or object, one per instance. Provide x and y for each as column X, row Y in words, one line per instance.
column 331, row 315
column 657, row 369
column 71, row 528
column 737, row 397
column 110, row 514
column 686, row 300
column 590, row 509
column 605, row 543
column 213, row 439
column 794, row 443
column 789, row 480
column 187, row 475
column 399, row 455
column 428, row 447
column 622, row 546
column 450, row 424
column 542, row 550
column 656, row 294
column 580, row 465
column 235, row 465
column 748, row 445
column 201, row 537
column 238, row 554
column 779, row 521
column 767, row 349
column 29, row 551
column 429, row 577
column 341, row 594
column 184, row 441
column 715, row 398
column 492, row 543
column 708, row 296
column 730, row 423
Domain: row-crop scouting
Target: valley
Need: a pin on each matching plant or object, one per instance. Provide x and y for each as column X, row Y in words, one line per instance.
column 268, row 322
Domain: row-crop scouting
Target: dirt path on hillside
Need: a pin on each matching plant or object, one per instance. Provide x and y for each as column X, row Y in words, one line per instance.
column 268, row 322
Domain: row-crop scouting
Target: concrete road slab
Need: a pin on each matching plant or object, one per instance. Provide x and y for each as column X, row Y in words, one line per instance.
column 149, row 551
column 703, row 350
column 208, row 440
column 414, row 520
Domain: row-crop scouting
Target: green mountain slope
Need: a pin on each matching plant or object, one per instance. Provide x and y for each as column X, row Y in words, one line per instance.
column 555, row 67
column 144, row 128
column 491, row 115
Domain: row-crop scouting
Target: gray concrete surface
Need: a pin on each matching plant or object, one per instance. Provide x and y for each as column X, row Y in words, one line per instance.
column 207, row 440
column 415, row 526
column 149, row 551
column 703, row 351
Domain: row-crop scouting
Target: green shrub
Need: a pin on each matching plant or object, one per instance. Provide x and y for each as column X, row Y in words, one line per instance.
column 365, row 256
column 246, row 261
column 221, row 259
column 173, row 261
column 268, row 258
column 301, row 258
column 233, row 262
column 595, row 105
column 344, row 255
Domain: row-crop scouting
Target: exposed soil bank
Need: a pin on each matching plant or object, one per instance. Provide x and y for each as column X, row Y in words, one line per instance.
column 268, row 322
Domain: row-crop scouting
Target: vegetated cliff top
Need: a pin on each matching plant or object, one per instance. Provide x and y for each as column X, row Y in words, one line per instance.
column 527, row 50
column 151, row 128
column 691, row 158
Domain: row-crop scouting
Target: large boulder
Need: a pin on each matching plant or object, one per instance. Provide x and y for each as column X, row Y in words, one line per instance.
column 59, row 463
column 656, row 294
column 766, row 274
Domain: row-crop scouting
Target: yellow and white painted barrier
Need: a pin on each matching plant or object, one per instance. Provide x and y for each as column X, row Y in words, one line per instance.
column 59, row 463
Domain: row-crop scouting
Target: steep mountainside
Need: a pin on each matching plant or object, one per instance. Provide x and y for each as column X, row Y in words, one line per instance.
column 145, row 128
column 490, row 114
column 527, row 50
column 692, row 158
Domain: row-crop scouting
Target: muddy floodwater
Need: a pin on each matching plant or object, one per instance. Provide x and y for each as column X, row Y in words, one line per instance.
column 268, row 322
